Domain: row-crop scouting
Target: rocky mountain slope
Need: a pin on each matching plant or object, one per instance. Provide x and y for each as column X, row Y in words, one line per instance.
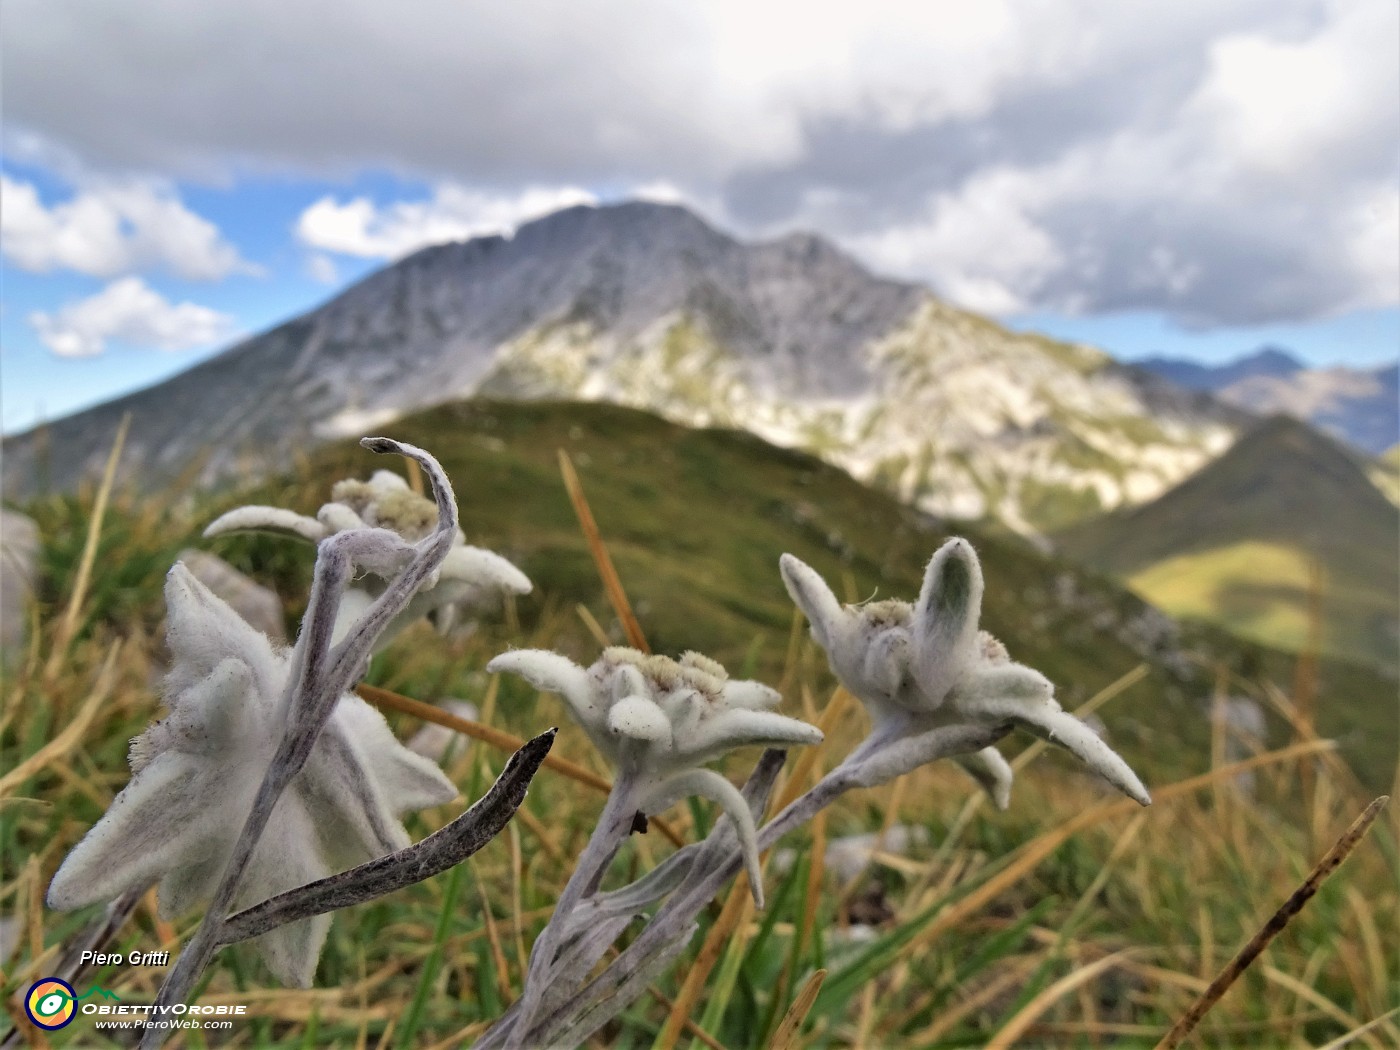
column 1240, row 542
column 646, row 305
column 1361, row 406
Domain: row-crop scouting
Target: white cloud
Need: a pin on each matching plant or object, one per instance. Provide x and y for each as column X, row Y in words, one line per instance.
column 1372, row 238
column 128, row 311
column 1288, row 104
column 322, row 269
column 1267, row 191
column 361, row 228
column 980, row 247
column 112, row 229
column 1210, row 160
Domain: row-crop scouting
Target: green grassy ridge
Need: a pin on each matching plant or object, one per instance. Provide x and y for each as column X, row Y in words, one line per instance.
column 695, row 521
column 1284, row 485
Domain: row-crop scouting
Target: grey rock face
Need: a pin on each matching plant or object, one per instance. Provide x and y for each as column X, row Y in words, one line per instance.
column 19, row 552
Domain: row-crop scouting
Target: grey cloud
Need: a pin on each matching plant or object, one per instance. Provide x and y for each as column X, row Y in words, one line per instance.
column 495, row 92
column 615, row 94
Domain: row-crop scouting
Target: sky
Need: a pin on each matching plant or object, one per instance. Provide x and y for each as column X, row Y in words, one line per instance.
column 1192, row 179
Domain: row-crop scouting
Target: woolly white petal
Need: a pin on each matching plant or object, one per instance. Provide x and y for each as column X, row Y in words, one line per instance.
column 364, row 779
column 286, row 858
column 830, row 621
column 945, row 619
column 166, row 817
column 907, row 753
column 354, row 603
column 191, row 884
column 357, row 816
column 741, row 727
column 1002, row 681
column 337, row 517
column 992, row 772
column 628, row 681
column 886, row 665
column 687, row 710
column 267, row 519
column 554, row 674
column 709, row 784
column 753, row 695
column 203, row 630
column 484, row 568
column 1048, row 721
column 386, row 481
column 228, row 707
column 638, row 718
column 217, row 715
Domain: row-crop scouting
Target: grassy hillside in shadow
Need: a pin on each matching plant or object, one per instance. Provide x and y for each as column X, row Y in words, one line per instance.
column 1236, row 544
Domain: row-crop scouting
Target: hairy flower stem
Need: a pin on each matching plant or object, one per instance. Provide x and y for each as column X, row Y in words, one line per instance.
column 612, row 830
column 600, row 918
column 675, row 920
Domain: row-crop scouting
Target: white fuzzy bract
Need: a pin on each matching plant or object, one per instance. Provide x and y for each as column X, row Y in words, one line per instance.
column 195, row 775
column 923, row 667
column 660, row 720
column 468, row 576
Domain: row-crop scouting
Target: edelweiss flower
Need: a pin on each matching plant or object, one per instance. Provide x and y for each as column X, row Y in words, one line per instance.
column 195, row 775
column 926, row 666
column 659, row 719
column 468, row 575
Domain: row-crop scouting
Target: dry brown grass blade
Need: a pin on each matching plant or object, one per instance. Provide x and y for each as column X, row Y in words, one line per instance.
column 493, row 936
column 594, row 627
column 786, row 1032
column 736, row 909
column 1284, row 707
column 73, row 732
column 1305, row 991
column 21, row 1027
column 497, row 738
column 1291, row 907
column 1029, row 856
column 1010, row 1032
column 68, row 626
column 1356, row 1033
column 691, row 1027
column 612, row 583
column 415, row 476
column 950, row 1017
column 1305, row 672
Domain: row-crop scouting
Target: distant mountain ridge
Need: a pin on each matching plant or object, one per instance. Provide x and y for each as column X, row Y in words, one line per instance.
column 1361, row 406
column 1266, row 361
column 646, row 305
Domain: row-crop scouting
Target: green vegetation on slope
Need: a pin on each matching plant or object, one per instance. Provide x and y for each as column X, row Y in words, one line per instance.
column 1233, row 544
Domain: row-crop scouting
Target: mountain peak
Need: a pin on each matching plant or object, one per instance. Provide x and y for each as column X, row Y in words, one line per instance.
column 1270, row 360
column 645, row 304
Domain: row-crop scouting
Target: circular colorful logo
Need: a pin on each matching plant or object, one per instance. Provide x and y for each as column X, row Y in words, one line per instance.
column 51, row 1003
